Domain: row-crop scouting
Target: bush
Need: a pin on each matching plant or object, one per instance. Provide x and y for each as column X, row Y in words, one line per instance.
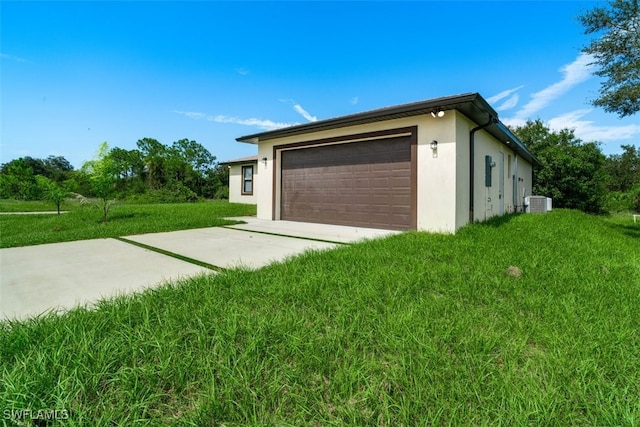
column 619, row 201
column 178, row 193
column 222, row 193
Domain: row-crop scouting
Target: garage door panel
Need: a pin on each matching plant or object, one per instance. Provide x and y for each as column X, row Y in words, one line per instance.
column 364, row 184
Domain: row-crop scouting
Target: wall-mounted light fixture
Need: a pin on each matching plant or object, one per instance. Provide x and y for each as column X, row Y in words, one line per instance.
column 264, row 161
column 434, row 145
column 437, row 113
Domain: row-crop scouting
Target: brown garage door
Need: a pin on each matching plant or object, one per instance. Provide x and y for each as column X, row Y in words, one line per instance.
column 365, row 184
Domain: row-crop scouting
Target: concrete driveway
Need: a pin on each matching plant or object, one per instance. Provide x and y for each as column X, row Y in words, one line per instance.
column 60, row 276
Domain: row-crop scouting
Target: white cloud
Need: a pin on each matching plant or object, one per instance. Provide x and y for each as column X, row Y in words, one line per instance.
column 298, row 108
column 588, row 131
column 242, row 71
column 259, row 123
column 513, row 122
column 263, row 124
column 13, row 58
column 573, row 74
column 304, row 113
column 503, row 94
column 509, row 103
column 191, row 114
column 354, row 100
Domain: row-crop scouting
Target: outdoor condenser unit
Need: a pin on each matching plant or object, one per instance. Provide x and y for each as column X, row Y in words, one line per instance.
column 538, row 204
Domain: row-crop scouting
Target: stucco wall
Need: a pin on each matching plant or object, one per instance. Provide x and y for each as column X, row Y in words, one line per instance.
column 525, row 171
column 442, row 174
column 235, row 184
column 437, row 173
column 487, row 200
column 435, row 169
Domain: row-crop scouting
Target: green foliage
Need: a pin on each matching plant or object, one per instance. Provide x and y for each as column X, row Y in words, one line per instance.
column 618, row 201
column 184, row 171
column 18, row 177
column 52, row 191
column 103, row 178
column 414, row 330
column 18, row 181
column 617, row 54
column 56, row 168
column 572, row 172
column 184, row 164
column 178, row 193
column 623, row 180
column 623, row 170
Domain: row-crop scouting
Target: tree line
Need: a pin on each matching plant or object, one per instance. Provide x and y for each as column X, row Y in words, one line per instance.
column 577, row 175
column 152, row 172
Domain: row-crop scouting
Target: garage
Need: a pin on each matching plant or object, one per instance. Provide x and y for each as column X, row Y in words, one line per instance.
column 364, row 184
column 416, row 166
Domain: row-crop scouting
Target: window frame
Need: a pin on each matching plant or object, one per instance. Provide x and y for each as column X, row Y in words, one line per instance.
column 245, row 180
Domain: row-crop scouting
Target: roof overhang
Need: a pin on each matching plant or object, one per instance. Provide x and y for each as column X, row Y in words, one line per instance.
column 249, row 159
column 472, row 105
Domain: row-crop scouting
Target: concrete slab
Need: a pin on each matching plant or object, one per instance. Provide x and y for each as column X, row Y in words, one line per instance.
column 326, row 232
column 229, row 248
column 59, row 276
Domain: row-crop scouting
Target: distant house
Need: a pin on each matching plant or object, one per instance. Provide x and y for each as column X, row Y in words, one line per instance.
column 431, row 165
column 242, row 179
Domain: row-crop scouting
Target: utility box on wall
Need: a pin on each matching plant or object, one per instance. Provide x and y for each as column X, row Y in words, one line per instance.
column 488, row 165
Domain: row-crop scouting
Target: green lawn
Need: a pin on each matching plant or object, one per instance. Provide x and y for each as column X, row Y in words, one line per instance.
column 84, row 222
column 415, row 329
column 7, row 205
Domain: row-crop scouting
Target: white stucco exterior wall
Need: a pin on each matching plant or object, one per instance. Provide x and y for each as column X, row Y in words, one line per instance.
column 487, row 200
column 235, row 184
column 437, row 174
column 442, row 175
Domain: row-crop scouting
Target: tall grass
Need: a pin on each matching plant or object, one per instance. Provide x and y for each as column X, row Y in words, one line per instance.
column 525, row 320
column 84, row 222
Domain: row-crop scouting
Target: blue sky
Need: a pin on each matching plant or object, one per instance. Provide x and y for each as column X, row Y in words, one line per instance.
column 75, row 74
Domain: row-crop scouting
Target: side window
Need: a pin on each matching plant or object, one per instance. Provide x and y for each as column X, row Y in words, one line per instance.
column 247, row 180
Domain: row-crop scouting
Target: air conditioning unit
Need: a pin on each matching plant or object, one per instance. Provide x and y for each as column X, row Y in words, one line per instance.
column 538, row 204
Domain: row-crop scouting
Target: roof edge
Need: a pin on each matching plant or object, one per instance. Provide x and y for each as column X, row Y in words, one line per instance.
column 472, row 105
column 385, row 113
column 249, row 159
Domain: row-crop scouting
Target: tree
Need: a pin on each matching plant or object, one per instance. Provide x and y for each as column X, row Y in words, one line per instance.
column 17, row 180
column 52, row 191
column 103, row 178
column 198, row 160
column 623, row 170
column 623, row 180
column 572, row 171
column 129, row 167
column 154, row 155
column 617, row 54
column 217, row 183
column 57, row 168
column 18, row 177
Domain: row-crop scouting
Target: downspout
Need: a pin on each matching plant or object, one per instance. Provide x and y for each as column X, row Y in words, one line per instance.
column 515, row 182
column 472, row 168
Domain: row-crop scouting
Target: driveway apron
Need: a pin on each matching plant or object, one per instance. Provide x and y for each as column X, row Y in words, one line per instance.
column 60, row 276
